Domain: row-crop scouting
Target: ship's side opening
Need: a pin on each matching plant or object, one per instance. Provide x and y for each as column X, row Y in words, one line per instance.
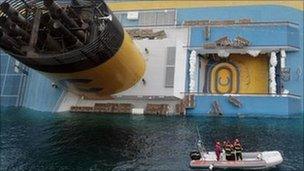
column 236, row 74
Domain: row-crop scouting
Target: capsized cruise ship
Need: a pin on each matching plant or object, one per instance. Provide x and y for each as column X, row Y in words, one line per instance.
column 154, row 57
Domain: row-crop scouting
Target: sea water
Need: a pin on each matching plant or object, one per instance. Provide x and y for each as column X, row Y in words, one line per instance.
column 32, row 140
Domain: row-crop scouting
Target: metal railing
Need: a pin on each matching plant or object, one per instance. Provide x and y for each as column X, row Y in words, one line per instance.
column 242, row 94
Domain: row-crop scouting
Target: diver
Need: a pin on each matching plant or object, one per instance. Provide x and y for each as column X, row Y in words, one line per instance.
column 238, row 149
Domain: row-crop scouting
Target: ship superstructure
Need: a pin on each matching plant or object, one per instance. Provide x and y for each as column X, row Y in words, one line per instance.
column 202, row 58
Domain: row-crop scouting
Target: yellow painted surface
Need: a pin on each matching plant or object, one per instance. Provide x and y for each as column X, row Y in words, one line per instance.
column 224, row 79
column 119, row 73
column 253, row 73
column 148, row 5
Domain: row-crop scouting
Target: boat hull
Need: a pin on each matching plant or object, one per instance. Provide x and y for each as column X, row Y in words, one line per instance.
column 251, row 161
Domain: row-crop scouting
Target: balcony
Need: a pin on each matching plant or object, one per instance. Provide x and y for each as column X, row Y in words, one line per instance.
column 264, row 36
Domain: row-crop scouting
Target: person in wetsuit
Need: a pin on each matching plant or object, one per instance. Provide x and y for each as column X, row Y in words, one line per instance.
column 238, row 149
column 228, row 151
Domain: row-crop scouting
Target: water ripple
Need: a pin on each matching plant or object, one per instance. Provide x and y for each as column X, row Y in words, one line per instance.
column 43, row 141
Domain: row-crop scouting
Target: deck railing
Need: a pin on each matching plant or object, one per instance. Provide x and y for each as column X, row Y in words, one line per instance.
column 242, row 94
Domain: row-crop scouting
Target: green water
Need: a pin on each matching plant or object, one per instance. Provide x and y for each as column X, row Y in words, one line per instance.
column 33, row 140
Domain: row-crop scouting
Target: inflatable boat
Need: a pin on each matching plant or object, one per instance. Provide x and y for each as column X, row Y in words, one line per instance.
column 251, row 161
column 202, row 159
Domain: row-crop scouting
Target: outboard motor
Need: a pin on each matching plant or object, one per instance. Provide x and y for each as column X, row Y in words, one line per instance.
column 195, row 155
column 199, row 153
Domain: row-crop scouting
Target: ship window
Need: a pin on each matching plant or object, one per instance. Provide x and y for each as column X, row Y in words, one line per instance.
column 171, row 56
column 165, row 18
column 169, row 77
column 151, row 18
column 147, row 18
column 170, row 67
